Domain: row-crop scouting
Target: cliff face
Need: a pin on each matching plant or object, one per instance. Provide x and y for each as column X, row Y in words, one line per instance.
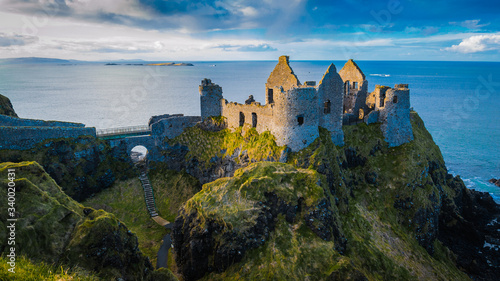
column 391, row 213
column 6, row 107
column 82, row 166
column 53, row 228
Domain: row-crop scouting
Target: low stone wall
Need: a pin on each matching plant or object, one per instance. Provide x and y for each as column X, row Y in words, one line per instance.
column 172, row 126
column 13, row 121
column 21, row 138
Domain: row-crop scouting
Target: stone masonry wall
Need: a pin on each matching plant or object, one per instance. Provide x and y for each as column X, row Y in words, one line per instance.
column 395, row 116
column 330, row 91
column 354, row 97
column 281, row 76
column 13, row 121
column 22, row 138
column 264, row 114
column 289, row 106
column 173, row 126
column 210, row 99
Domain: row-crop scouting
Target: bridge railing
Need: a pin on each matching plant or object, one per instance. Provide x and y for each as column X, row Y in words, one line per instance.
column 123, row 131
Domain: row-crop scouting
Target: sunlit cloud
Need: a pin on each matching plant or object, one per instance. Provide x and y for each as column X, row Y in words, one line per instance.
column 477, row 43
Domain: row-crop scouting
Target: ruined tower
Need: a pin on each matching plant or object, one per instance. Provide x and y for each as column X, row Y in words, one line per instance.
column 355, row 88
column 210, row 99
column 330, row 106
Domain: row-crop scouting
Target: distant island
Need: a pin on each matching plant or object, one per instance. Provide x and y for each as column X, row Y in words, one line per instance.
column 171, row 64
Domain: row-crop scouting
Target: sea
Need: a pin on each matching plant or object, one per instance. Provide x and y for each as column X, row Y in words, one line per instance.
column 458, row 101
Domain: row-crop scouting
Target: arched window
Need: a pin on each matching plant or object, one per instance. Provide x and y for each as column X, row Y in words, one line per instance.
column 395, row 99
column 270, row 96
column 242, row 119
column 254, row 119
column 327, row 107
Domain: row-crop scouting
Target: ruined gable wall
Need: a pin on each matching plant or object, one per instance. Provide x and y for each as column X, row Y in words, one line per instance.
column 395, row 117
column 330, row 89
column 282, row 76
column 231, row 111
column 354, row 97
column 288, row 107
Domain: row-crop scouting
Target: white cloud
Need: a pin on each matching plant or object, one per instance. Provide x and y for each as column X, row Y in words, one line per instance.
column 470, row 24
column 477, row 43
column 7, row 40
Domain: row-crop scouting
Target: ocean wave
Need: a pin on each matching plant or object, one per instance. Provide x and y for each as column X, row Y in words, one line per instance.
column 381, row 75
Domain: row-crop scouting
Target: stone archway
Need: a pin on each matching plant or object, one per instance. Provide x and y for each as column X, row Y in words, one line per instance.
column 138, row 153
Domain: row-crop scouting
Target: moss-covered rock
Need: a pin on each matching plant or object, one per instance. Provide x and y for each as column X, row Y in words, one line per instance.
column 6, row 107
column 234, row 215
column 53, row 228
column 382, row 206
column 81, row 166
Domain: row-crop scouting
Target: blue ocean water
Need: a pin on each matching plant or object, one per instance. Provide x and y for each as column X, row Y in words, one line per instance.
column 458, row 101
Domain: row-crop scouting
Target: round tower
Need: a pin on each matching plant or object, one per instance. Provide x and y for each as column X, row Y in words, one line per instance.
column 295, row 117
column 210, row 99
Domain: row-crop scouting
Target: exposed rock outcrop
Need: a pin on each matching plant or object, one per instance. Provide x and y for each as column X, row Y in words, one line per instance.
column 81, row 166
column 6, row 107
column 53, row 228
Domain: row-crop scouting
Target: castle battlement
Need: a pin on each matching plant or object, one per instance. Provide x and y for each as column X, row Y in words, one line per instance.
column 294, row 112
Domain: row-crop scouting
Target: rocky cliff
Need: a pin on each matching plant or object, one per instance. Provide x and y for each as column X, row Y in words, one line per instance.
column 53, row 228
column 6, row 107
column 364, row 211
column 82, row 166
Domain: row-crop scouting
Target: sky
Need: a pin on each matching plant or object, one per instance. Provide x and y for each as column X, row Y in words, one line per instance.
column 214, row 30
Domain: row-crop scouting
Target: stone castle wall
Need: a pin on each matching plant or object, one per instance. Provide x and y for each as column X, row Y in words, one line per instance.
column 293, row 112
column 330, row 104
column 395, row 116
column 253, row 114
column 172, row 126
column 297, row 119
column 13, row 121
column 355, row 88
column 22, row 137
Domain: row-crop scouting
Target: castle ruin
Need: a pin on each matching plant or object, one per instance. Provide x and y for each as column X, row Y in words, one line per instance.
column 293, row 112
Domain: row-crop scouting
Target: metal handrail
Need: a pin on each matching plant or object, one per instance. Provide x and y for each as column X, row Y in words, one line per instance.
column 123, row 130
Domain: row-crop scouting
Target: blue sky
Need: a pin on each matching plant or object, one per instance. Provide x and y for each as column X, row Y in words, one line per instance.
column 251, row 30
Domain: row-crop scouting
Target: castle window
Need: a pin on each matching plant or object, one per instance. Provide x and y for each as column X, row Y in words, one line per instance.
column 270, row 96
column 355, row 85
column 395, row 99
column 242, row 119
column 254, row 119
column 382, row 99
column 346, row 87
column 300, row 120
column 327, row 107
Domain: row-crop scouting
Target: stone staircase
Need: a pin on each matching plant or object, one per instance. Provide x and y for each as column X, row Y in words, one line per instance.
column 148, row 193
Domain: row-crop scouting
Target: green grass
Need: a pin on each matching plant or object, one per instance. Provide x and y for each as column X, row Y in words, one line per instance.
column 26, row 270
column 233, row 201
column 204, row 145
column 293, row 252
column 125, row 199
